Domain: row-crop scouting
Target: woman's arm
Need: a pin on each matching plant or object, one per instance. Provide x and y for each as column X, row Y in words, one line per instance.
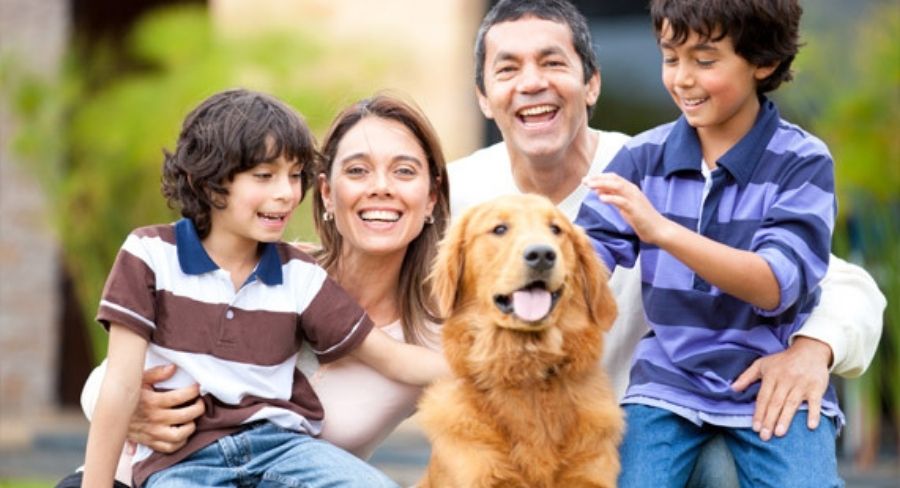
column 118, row 399
column 414, row 365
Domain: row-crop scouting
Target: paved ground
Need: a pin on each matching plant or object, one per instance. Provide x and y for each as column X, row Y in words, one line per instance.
column 56, row 447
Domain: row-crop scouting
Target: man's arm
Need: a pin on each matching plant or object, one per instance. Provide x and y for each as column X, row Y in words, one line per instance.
column 848, row 318
column 842, row 331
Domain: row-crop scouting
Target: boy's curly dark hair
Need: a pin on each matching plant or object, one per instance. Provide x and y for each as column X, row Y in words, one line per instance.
column 230, row 132
column 764, row 32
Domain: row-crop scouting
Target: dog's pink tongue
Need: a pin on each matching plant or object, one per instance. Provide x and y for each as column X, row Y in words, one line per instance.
column 531, row 305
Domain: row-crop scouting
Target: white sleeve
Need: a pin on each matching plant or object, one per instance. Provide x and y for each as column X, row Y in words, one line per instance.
column 849, row 317
column 91, row 391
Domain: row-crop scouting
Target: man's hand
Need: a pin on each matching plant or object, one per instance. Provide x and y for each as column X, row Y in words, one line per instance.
column 163, row 420
column 789, row 378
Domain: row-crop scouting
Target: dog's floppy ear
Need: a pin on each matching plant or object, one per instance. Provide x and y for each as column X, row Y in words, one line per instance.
column 447, row 270
column 593, row 278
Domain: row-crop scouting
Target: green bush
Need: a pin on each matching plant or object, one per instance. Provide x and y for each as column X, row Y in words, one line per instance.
column 95, row 135
column 855, row 109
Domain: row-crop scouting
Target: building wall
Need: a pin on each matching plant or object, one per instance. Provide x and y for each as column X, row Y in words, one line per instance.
column 428, row 48
column 35, row 33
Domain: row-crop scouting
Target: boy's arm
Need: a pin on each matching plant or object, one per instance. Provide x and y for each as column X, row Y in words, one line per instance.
column 118, row 398
column 742, row 274
column 400, row 361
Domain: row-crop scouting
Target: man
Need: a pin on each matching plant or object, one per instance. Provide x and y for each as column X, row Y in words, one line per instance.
column 537, row 77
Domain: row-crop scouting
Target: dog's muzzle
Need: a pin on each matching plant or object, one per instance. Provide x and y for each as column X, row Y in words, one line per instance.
column 531, row 303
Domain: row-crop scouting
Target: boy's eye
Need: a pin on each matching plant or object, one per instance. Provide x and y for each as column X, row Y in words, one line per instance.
column 706, row 62
column 262, row 176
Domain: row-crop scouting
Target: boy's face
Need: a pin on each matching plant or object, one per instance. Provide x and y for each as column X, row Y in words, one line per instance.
column 713, row 86
column 259, row 202
column 534, row 86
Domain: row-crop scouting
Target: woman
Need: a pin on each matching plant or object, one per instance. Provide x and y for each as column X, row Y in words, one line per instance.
column 381, row 203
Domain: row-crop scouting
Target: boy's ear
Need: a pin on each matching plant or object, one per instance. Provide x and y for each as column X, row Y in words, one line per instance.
column 764, row 71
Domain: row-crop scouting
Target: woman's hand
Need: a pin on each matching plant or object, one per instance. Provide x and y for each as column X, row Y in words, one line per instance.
column 163, row 421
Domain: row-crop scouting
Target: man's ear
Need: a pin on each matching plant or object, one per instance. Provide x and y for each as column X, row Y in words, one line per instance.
column 483, row 104
column 592, row 89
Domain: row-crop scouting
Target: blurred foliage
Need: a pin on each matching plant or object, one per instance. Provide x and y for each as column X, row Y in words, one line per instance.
column 855, row 109
column 95, row 134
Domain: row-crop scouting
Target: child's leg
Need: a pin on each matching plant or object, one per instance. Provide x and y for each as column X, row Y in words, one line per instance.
column 208, row 467
column 285, row 458
column 714, row 466
column 802, row 458
column 659, row 448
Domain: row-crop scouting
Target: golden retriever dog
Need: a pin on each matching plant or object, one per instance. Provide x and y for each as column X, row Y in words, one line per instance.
column 526, row 303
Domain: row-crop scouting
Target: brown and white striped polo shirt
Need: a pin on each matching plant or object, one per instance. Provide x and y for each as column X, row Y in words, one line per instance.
column 239, row 346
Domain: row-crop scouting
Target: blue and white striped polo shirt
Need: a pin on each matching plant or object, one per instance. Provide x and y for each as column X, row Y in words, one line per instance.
column 773, row 194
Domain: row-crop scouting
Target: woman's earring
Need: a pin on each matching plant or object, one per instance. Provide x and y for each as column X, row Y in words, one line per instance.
column 327, row 216
column 429, row 219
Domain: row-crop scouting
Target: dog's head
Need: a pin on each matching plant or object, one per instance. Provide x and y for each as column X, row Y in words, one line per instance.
column 518, row 264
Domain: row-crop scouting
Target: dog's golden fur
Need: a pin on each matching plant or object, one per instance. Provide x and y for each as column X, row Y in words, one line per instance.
column 528, row 405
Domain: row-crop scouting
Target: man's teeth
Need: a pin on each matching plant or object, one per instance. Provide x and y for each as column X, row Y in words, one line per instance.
column 383, row 215
column 538, row 110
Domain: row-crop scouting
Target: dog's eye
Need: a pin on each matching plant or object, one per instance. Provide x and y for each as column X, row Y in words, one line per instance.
column 500, row 229
column 555, row 229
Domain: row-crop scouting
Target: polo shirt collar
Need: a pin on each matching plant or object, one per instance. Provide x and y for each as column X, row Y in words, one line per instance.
column 194, row 260
column 682, row 151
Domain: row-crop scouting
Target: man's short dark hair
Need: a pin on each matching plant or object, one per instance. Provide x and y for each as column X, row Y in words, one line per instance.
column 764, row 32
column 228, row 133
column 554, row 10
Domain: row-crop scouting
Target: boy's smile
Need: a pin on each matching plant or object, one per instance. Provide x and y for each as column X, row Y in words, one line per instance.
column 259, row 203
column 712, row 85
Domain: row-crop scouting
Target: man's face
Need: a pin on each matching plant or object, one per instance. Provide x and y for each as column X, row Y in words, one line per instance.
column 534, row 86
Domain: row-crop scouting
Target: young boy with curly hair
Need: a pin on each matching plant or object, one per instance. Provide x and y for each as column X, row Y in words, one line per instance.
column 221, row 297
column 731, row 209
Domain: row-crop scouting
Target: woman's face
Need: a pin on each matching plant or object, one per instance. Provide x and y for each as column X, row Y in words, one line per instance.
column 379, row 189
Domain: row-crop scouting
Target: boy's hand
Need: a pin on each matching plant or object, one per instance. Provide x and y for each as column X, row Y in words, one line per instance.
column 797, row 374
column 649, row 225
column 163, row 420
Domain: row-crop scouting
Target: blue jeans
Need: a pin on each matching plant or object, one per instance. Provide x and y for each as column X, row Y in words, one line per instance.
column 266, row 455
column 660, row 448
column 714, row 467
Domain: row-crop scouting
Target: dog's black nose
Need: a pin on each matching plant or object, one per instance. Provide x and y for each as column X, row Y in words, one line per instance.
column 540, row 257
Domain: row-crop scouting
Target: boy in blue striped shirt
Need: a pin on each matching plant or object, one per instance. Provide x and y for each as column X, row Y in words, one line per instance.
column 731, row 210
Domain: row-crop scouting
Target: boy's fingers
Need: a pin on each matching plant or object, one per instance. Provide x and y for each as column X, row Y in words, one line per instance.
column 152, row 400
